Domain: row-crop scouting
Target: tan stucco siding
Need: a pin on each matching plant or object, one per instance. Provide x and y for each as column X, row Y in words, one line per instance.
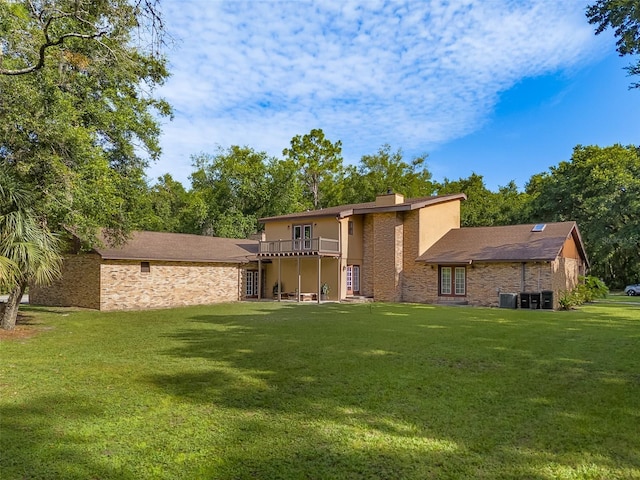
column 79, row 285
column 168, row 284
column 435, row 221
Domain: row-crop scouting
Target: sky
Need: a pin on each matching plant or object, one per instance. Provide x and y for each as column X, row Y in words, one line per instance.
column 502, row 88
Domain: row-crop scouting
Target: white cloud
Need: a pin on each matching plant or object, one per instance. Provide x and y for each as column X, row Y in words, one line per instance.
column 413, row 74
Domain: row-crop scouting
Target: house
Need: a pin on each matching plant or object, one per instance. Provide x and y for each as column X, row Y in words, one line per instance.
column 392, row 249
column 414, row 250
column 152, row 270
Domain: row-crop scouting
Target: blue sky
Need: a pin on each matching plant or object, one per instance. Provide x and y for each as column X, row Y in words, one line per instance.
column 503, row 88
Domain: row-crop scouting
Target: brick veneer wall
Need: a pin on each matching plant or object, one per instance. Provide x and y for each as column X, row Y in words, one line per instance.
column 79, row 285
column 486, row 281
column 168, row 284
column 388, row 256
column 368, row 260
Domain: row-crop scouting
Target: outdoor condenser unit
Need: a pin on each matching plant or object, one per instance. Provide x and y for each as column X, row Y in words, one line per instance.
column 508, row 300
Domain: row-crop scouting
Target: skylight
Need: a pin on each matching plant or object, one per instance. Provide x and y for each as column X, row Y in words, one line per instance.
column 538, row 227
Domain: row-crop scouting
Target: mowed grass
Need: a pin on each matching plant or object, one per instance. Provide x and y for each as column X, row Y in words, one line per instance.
column 268, row 391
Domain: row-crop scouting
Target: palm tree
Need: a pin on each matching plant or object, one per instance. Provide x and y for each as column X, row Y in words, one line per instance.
column 29, row 251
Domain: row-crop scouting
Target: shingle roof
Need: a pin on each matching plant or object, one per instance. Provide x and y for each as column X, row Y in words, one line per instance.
column 179, row 247
column 369, row 207
column 503, row 244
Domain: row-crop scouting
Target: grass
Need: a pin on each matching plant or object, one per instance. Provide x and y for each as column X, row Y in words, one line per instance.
column 268, row 391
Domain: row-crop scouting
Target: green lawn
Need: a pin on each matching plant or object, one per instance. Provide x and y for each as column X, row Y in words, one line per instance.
column 268, row 391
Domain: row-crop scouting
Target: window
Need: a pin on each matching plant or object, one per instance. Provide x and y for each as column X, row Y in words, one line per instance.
column 453, row 281
column 302, row 237
column 145, row 267
column 350, row 228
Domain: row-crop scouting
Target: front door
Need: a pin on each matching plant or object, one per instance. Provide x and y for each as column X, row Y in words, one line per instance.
column 353, row 279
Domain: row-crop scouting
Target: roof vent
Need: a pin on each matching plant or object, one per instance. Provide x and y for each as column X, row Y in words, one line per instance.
column 539, row 227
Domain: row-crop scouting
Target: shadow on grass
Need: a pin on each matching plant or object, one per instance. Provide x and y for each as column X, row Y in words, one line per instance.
column 34, row 446
column 486, row 393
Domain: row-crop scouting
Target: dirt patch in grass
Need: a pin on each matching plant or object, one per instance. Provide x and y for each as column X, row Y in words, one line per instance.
column 26, row 327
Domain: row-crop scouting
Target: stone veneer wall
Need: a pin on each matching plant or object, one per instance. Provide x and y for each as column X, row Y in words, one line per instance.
column 388, row 255
column 79, row 285
column 168, row 284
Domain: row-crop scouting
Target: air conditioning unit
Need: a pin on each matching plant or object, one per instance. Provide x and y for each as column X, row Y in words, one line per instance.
column 508, row 300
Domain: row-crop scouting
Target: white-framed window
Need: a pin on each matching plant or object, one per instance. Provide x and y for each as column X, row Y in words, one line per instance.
column 453, row 281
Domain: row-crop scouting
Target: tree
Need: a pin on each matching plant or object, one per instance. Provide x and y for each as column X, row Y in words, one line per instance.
column 162, row 206
column 599, row 188
column 483, row 207
column 385, row 170
column 234, row 186
column 78, row 119
column 623, row 16
column 28, row 250
column 47, row 28
column 319, row 162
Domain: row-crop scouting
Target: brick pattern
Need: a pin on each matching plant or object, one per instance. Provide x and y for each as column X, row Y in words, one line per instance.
column 388, row 255
column 368, row 254
column 168, row 284
column 78, row 287
column 89, row 282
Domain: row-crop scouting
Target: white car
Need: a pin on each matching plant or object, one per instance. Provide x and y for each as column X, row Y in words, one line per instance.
column 632, row 290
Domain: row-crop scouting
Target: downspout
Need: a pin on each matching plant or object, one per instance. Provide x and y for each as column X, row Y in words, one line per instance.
column 523, row 277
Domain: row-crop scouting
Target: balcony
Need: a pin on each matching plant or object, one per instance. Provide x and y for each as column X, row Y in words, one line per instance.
column 299, row 247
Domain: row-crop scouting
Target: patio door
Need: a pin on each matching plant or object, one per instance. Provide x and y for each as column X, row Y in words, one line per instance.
column 252, row 284
column 302, row 237
column 353, row 279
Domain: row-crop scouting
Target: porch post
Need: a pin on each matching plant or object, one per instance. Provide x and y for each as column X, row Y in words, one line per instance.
column 319, row 277
column 279, row 278
column 299, row 280
column 259, row 279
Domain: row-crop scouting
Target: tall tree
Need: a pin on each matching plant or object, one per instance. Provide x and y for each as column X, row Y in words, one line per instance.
column 234, row 184
column 387, row 170
column 319, row 162
column 600, row 189
column 77, row 117
column 623, row 16
column 484, row 207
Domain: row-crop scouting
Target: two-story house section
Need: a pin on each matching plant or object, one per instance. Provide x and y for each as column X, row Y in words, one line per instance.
column 364, row 249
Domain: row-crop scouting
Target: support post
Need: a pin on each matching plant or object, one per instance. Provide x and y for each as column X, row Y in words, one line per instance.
column 259, row 279
column 299, row 281
column 279, row 279
column 319, row 278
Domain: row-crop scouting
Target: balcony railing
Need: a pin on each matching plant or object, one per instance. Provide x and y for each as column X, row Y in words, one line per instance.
column 299, row 247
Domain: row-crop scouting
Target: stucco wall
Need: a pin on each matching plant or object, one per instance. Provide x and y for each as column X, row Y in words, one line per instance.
column 168, row 284
column 79, row 285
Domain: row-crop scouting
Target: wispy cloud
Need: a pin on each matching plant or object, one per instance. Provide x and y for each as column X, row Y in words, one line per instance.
column 413, row 74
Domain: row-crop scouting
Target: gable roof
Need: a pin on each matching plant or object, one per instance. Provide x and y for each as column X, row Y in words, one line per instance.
column 180, row 247
column 513, row 243
column 342, row 211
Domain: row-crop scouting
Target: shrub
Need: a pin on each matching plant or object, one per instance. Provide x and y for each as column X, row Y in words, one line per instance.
column 589, row 289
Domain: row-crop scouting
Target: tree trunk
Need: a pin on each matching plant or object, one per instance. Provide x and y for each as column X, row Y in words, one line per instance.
column 10, row 314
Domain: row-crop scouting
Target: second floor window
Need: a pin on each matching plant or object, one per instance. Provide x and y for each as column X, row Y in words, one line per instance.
column 302, row 237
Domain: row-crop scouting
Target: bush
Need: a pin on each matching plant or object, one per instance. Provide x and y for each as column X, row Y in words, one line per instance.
column 588, row 290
